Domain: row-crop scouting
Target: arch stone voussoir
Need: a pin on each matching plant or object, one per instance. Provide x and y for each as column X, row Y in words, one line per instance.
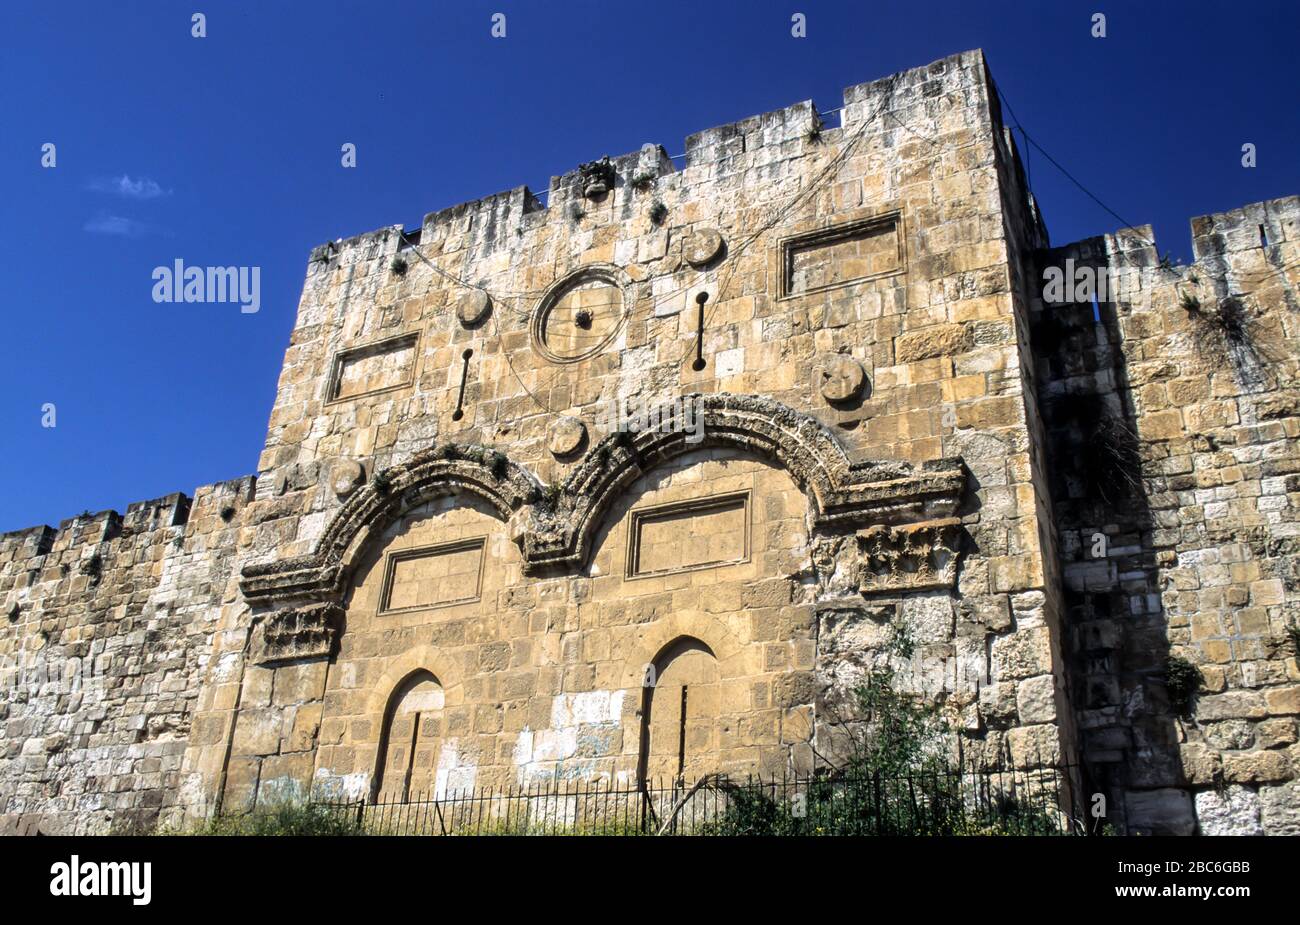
column 659, row 635
column 421, row 658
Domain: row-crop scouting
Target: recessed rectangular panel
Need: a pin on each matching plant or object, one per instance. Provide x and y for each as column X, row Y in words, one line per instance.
column 690, row 535
column 842, row 255
column 378, row 367
column 433, row 576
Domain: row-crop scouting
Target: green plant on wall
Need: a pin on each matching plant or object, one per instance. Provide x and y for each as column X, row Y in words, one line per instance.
column 897, row 780
column 1293, row 633
column 900, row 732
column 1182, row 681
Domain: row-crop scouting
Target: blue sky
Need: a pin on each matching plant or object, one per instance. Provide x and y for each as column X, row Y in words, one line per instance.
column 225, row 151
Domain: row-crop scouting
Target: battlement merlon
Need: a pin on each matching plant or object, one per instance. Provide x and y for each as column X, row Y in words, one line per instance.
column 965, row 73
column 93, row 528
column 1254, row 238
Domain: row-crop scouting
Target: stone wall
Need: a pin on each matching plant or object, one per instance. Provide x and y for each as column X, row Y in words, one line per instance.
column 106, row 638
column 1173, row 416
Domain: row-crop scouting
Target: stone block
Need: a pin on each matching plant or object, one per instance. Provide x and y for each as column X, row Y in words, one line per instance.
column 1232, row 811
column 1257, row 767
column 1036, row 700
column 1165, row 811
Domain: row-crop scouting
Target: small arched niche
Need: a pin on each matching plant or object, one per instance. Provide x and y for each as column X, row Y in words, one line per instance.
column 679, row 715
column 408, row 749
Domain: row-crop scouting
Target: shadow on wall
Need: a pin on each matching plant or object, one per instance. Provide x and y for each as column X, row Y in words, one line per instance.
column 1118, row 647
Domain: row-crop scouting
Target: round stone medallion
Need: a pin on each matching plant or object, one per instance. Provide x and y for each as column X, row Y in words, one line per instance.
column 580, row 315
column 566, row 436
column 345, row 476
column 702, row 247
column 839, row 377
column 473, row 307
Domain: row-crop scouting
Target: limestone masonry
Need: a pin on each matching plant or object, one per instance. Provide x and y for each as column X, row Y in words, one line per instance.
column 452, row 570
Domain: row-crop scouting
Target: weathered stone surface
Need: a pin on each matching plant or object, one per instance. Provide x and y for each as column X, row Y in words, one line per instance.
column 838, row 377
column 345, row 476
column 702, row 246
column 1034, row 746
column 1276, row 732
column 1257, row 767
column 1230, row 734
column 942, row 340
column 1036, row 700
column 1280, row 808
column 1202, row 765
column 1025, row 654
column 1232, row 811
column 1232, row 705
column 1283, row 701
column 567, row 435
column 472, row 307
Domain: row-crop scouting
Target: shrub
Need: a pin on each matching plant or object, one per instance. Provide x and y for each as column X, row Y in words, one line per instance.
column 548, row 497
column 500, row 465
column 280, row 819
column 939, row 803
column 1182, row 681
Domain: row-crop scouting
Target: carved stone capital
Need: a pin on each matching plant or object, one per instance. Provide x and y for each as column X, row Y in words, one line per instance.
column 300, row 633
column 909, row 557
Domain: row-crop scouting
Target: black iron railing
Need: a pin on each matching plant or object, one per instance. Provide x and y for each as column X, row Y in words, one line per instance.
column 1040, row 801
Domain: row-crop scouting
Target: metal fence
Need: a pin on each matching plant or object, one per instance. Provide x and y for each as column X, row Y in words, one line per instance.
column 1042, row 801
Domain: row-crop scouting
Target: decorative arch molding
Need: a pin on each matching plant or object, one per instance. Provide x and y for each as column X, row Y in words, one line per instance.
column 478, row 471
column 615, row 277
column 841, row 492
column 556, row 530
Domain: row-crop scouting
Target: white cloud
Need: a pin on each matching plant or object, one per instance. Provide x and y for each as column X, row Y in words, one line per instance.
column 120, row 225
column 129, row 188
